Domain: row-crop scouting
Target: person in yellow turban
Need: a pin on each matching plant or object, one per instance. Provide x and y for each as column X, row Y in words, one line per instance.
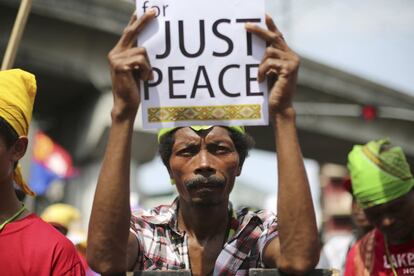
column 29, row 245
column 17, row 94
column 61, row 216
column 383, row 185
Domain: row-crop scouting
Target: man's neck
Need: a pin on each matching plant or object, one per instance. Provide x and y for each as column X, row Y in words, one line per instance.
column 9, row 203
column 398, row 241
column 203, row 222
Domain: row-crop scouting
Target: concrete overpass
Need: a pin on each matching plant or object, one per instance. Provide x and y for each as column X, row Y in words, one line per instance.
column 66, row 43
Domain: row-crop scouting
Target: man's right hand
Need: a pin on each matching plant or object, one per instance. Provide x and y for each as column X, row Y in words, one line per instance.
column 128, row 65
column 111, row 247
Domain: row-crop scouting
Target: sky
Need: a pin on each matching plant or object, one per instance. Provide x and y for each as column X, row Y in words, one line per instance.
column 373, row 39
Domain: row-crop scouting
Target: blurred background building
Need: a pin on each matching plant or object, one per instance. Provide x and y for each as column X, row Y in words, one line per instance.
column 355, row 84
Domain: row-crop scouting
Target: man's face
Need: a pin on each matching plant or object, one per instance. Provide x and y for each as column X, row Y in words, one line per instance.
column 204, row 165
column 395, row 219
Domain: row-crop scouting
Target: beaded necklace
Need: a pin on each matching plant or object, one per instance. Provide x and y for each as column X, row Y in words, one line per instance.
column 387, row 252
column 12, row 218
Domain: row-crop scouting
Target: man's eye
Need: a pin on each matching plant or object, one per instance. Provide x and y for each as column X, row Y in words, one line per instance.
column 221, row 149
column 190, row 151
column 184, row 153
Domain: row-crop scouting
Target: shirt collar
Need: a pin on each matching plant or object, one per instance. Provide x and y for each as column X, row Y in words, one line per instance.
column 168, row 215
column 164, row 215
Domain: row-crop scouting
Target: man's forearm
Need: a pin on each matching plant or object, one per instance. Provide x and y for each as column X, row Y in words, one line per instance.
column 298, row 232
column 109, row 222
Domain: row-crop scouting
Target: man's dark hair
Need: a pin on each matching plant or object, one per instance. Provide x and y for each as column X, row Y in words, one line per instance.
column 7, row 133
column 242, row 142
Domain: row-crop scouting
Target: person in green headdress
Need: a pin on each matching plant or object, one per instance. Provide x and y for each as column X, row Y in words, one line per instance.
column 200, row 231
column 384, row 187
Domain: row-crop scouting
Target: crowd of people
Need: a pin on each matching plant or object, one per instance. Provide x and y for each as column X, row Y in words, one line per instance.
column 200, row 230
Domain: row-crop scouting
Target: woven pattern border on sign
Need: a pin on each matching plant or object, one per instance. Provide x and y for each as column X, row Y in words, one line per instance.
column 204, row 113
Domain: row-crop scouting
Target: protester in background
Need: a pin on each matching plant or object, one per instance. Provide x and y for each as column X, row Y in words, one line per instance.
column 335, row 250
column 64, row 218
column 61, row 216
column 199, row 231
column 384, row 187
column 28, row 245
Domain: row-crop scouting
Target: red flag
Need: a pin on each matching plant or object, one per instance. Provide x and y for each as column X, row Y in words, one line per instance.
column 50, row 162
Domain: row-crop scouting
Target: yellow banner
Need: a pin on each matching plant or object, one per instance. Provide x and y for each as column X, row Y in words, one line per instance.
column 204, row 113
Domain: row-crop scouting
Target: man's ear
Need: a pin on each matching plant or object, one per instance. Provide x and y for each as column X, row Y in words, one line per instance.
column 170, row 173
column 239, row 169
column 172, row 180
column 19, row 148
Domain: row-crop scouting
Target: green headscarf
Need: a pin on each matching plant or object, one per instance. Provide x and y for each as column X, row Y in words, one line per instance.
column 163, row 131
column 379, row 176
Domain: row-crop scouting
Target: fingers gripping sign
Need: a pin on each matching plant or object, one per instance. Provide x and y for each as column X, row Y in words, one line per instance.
column 280, row 63
column 129, row 64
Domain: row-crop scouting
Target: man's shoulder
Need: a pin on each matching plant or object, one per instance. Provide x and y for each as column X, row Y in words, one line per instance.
column 44, row 231
column 37, row 227
column 161, row 214
column 263, row 218
column 264, row 215
column 365, row 245
column 64, row 254
column 45, row 244
column 158, row 210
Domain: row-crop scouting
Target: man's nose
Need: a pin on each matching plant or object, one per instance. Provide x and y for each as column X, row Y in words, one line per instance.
column 205, row 164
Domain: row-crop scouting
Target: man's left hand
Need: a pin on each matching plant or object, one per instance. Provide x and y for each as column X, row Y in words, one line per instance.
column 279, row 63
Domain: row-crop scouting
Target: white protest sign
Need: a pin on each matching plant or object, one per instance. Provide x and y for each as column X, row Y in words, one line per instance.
column 205, row 63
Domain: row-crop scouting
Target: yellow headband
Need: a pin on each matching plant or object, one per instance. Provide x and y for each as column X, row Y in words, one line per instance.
column 17, row 94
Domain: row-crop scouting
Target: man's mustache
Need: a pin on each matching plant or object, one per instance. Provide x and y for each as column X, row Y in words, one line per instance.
column 202, row 181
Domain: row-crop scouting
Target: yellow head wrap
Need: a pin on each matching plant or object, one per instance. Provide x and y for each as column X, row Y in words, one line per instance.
column 61, row 213
column 17, row 94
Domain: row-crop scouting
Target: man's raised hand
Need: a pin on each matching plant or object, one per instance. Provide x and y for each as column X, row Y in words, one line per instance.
column 128, row 65
column 279, row 62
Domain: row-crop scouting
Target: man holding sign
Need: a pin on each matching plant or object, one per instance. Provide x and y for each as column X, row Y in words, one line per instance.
column 200, row 231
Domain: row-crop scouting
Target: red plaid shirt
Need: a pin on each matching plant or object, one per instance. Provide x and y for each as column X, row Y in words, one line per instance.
column 163, row 247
